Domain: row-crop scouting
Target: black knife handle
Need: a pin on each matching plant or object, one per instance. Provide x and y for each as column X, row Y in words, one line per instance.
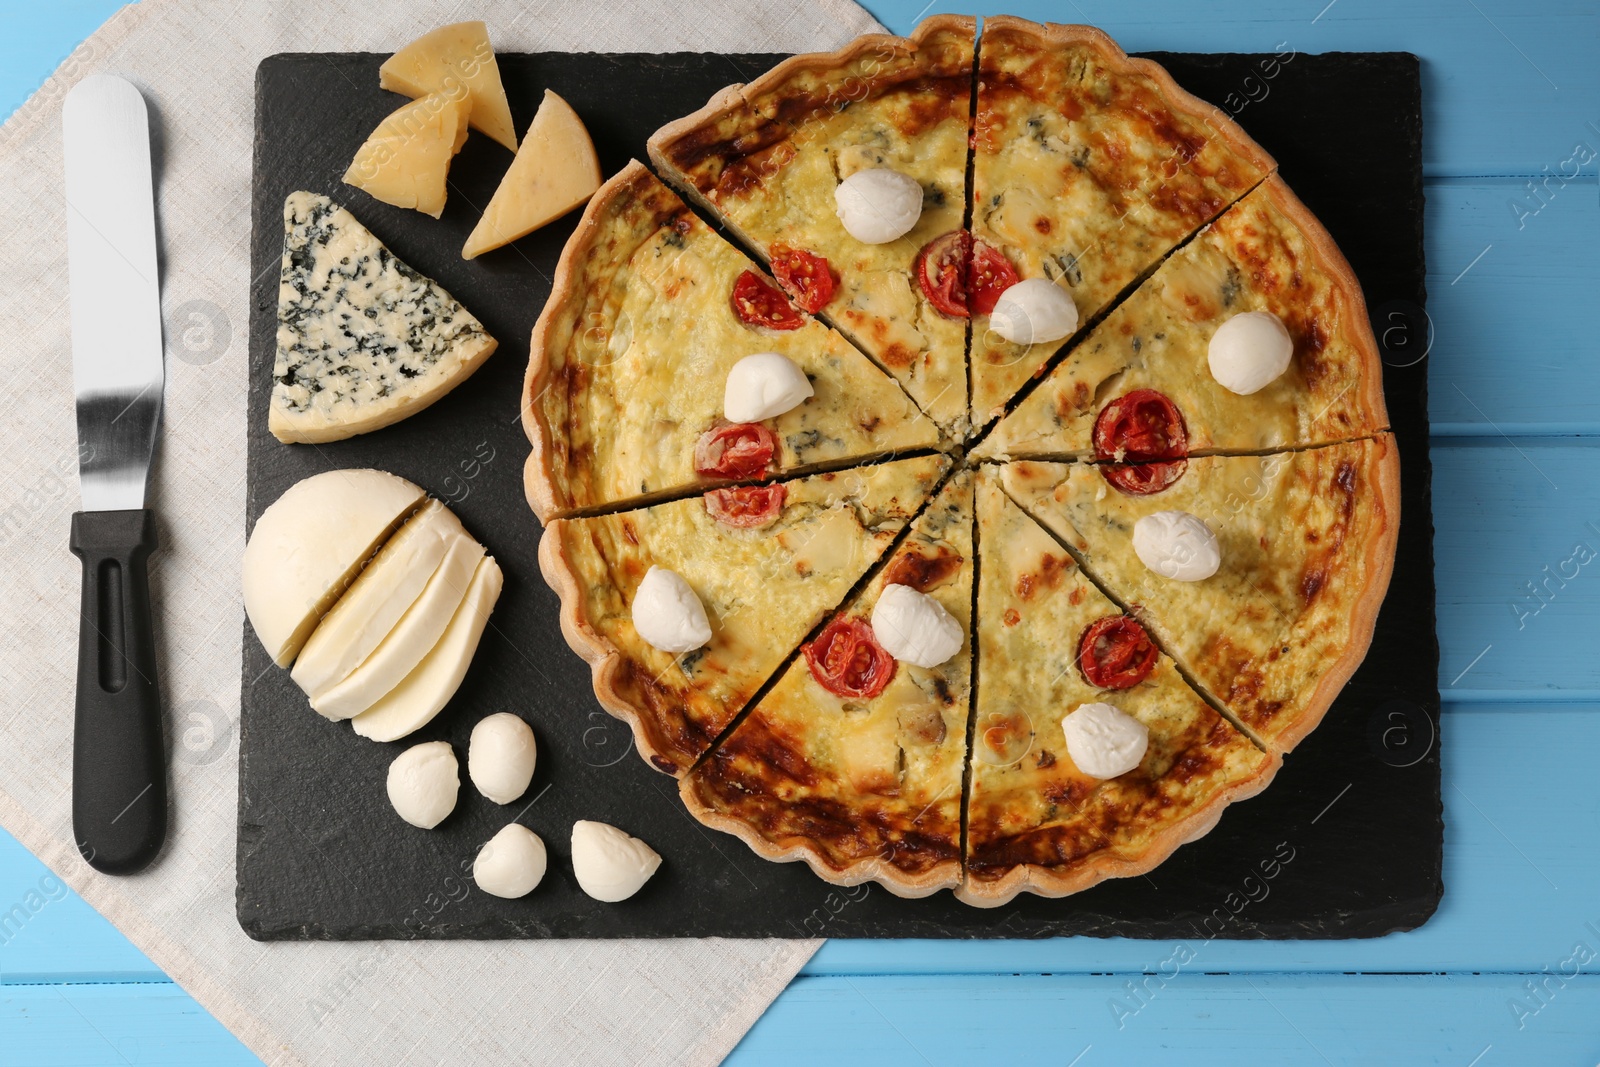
column 119, row 773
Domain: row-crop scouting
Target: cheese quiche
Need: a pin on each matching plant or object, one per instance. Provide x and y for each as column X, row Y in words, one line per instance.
column 1306, row 544
column 853, row 761
column 767, row 562
column 1051, row 643
column 651, row 308
column 1088, row 168
column 766, row 158
column 1266, row 254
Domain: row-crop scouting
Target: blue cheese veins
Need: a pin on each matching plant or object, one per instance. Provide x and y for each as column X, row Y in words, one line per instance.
column 363, row 339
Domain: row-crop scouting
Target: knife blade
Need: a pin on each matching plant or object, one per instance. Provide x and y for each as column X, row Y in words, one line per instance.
column 119, row 786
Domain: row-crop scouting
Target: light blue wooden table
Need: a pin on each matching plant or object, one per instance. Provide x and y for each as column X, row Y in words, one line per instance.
column 1508, row 972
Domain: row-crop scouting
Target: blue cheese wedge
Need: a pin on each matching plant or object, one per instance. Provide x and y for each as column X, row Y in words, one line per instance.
column 363, row 339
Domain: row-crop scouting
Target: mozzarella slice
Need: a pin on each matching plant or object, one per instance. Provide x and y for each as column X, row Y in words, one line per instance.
column 1033, row 312
column 423, row 783
column 1103, row 741
column 668, row 614
column 413, row 703
column 500, row 757
column 915, row 628
column 412, row 638
column 878, row 205
column 1249, row 352
column 610, row 865
column 512, row 864
column 1176, row 544
column 764, row 386
column 309, row 545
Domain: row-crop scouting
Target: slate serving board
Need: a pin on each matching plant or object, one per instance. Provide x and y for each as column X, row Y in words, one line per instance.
column 1347, row 842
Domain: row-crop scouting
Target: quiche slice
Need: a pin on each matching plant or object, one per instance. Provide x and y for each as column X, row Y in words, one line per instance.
column 853, row 760
column 767, row 157
column 1052, row 643
column 1306, row 543
column 1266, row 254
column 623, row 398
column 1088, row 168
column 767, row 563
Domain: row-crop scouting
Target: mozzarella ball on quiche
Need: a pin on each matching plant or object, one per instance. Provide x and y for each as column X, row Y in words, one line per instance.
column 512, row 864
column 609, row 864
column 764, row 386
column 423, row 783
column 1177, row 545
column 915, row 628
column 1249, row 352
column 878, row 205
column 500, row 757
column 1033, row 312
column 668, row 614
column 1104, row 741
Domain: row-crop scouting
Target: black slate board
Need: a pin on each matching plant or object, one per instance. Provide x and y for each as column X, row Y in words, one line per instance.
column 1347, row 842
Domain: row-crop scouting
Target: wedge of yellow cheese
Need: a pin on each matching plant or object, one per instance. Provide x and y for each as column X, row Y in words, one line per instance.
column 407, row 158
column 448, row 60
column 555, row 170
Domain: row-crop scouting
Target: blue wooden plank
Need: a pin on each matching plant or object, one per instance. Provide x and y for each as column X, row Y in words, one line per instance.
column 38, row 37
column 1519, row 889
column 1187, row 1017
column 105, row 1025
column 1509, row 86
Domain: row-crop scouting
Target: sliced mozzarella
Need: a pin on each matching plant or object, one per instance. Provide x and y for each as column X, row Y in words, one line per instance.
column 1249, row 352
column 668, row 614
column 610, row 865
column 1176, row 544
column 512, row 864
column 413, row 703
column 310, row 544
column 500, row 757
column 1103, row 741
column 423, row 783
column 412, row 638
column 914, row 627
column 764, row 386
column 1033, row 312
column 878, row 205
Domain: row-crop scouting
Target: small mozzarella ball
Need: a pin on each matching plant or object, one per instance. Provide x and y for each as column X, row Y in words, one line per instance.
column 1176, row 544
column 878, row 205
column 500, row 757
column 1249, row 352
column 764, row 386
column 1033, row 312
column 914, row 628
column 610, row 865
column 512, row 864
column 667, row 613
column 423, row 783
column 1104, row 742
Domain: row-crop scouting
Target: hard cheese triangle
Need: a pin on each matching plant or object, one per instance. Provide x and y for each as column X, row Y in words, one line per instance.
column 767, row 157
column 1088, row 167
column 632, row 352
column 1035, row 821
column 455, row 59
column 858, row 786
column 363, row 340
column 763, row 588
column 1306, row 542
column 1265, row 254
column 406, row 161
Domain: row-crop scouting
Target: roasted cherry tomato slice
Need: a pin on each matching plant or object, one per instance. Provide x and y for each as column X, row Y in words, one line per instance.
column 758, row 302
column 988, row 275
column 1116, row 653
column 746, row 507
column 742, row 450
column 1143, row 479
column 1145, row 428
column 847, row 660
column 805, row 275
column 942, row 272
